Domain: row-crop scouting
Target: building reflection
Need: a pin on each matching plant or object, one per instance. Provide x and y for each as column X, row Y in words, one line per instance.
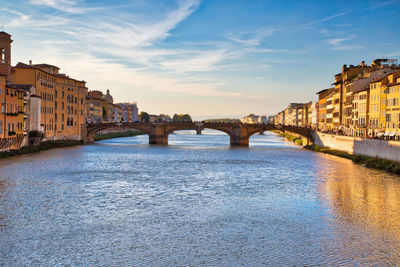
column 367, row 197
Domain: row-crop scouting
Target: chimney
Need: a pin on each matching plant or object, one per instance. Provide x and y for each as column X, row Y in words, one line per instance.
column 30, row 62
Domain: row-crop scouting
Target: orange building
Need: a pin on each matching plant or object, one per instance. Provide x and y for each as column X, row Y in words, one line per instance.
column 63, row 99
column 13, row 118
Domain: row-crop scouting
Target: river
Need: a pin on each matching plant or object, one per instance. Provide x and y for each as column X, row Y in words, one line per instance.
column 196, row 202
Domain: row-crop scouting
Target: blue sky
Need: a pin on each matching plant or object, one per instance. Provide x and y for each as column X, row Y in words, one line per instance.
column 207, row 58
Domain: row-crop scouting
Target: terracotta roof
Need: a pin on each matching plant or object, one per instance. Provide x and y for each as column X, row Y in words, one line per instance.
column 23, row 65
column 46, row 65
column 324, row 90
column 4, row 33
column 61, row 75
column 393, row 84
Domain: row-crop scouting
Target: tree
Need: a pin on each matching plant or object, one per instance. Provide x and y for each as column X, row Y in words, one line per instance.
column 182, row 118
column 144, row 116
column 175, row 118
column 186, row 118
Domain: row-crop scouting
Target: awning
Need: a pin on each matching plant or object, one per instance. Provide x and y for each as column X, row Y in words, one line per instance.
column 392, row 134
column 386, row 134
column 380, row 134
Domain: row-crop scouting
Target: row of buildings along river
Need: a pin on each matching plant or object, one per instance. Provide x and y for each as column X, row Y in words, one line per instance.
column 364, row 101
column 38, row 98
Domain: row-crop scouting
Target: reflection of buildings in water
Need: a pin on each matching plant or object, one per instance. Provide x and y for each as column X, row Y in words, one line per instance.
column 367, row 197
column 3, row 189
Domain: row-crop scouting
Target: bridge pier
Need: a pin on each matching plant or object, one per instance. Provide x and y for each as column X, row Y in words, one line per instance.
column 158, row 135
column 261, row 133
column 242, row 141
column 158, row 140
column 86, row 136
column 198, row 131
column 239, row 136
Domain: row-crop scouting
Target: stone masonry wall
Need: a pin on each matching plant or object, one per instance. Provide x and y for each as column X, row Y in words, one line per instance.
column 361, row 146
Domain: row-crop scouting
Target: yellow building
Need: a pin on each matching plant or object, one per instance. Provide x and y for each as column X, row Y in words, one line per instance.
column 377, row 107
column 393, row 106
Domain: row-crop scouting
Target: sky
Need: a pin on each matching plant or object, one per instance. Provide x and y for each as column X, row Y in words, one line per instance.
column 208, row 58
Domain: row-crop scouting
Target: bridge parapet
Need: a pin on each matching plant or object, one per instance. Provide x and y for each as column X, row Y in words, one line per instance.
column 158, row 131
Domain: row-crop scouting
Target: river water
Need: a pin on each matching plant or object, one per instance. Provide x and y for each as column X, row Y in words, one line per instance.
column 196, row 202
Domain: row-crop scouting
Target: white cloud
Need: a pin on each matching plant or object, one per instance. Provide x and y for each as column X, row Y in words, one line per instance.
column 68, row 6
column 337, row 43
column 122, row 51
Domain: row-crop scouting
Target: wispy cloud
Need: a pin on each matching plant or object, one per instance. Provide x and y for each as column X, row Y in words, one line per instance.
column 380, row 4
column 326, row 18
column 341, row 43
column 99, row 44
column 252, row 38
column 338, row 41
column 68, row 6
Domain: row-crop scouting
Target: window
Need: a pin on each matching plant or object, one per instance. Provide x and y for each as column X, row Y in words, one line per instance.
column 1, row 127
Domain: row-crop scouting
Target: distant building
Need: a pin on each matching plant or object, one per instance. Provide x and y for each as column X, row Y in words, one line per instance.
column 254, row 119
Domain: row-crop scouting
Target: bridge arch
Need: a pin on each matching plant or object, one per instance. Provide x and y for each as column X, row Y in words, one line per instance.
column 195, row 128
column 89, row 131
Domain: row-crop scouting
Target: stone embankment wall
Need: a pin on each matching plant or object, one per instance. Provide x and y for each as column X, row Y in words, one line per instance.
column 360, row 146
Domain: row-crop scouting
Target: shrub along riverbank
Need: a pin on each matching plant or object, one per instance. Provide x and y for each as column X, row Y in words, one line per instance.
column 116, row 135
column 370, row 162
column 41, row 147
column 292, row 138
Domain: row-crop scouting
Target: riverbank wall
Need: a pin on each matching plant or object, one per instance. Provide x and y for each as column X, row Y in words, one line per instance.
column 385, row 149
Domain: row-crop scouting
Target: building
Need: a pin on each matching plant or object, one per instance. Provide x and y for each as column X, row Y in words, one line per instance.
column 164, row 118
column 262, row 120
column 12, row 115
column 360, row 112
column 313, row 115
column 393, row 106
column 250, row 119
column 19, row 110
column 323, row 119
column 377, row 109
column 95, row 110
column 130, row 111
column 291, row 115
column 280, row 118
column 63, row 99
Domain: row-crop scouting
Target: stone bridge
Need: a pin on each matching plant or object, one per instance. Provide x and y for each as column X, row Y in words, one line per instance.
column 158, row 131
